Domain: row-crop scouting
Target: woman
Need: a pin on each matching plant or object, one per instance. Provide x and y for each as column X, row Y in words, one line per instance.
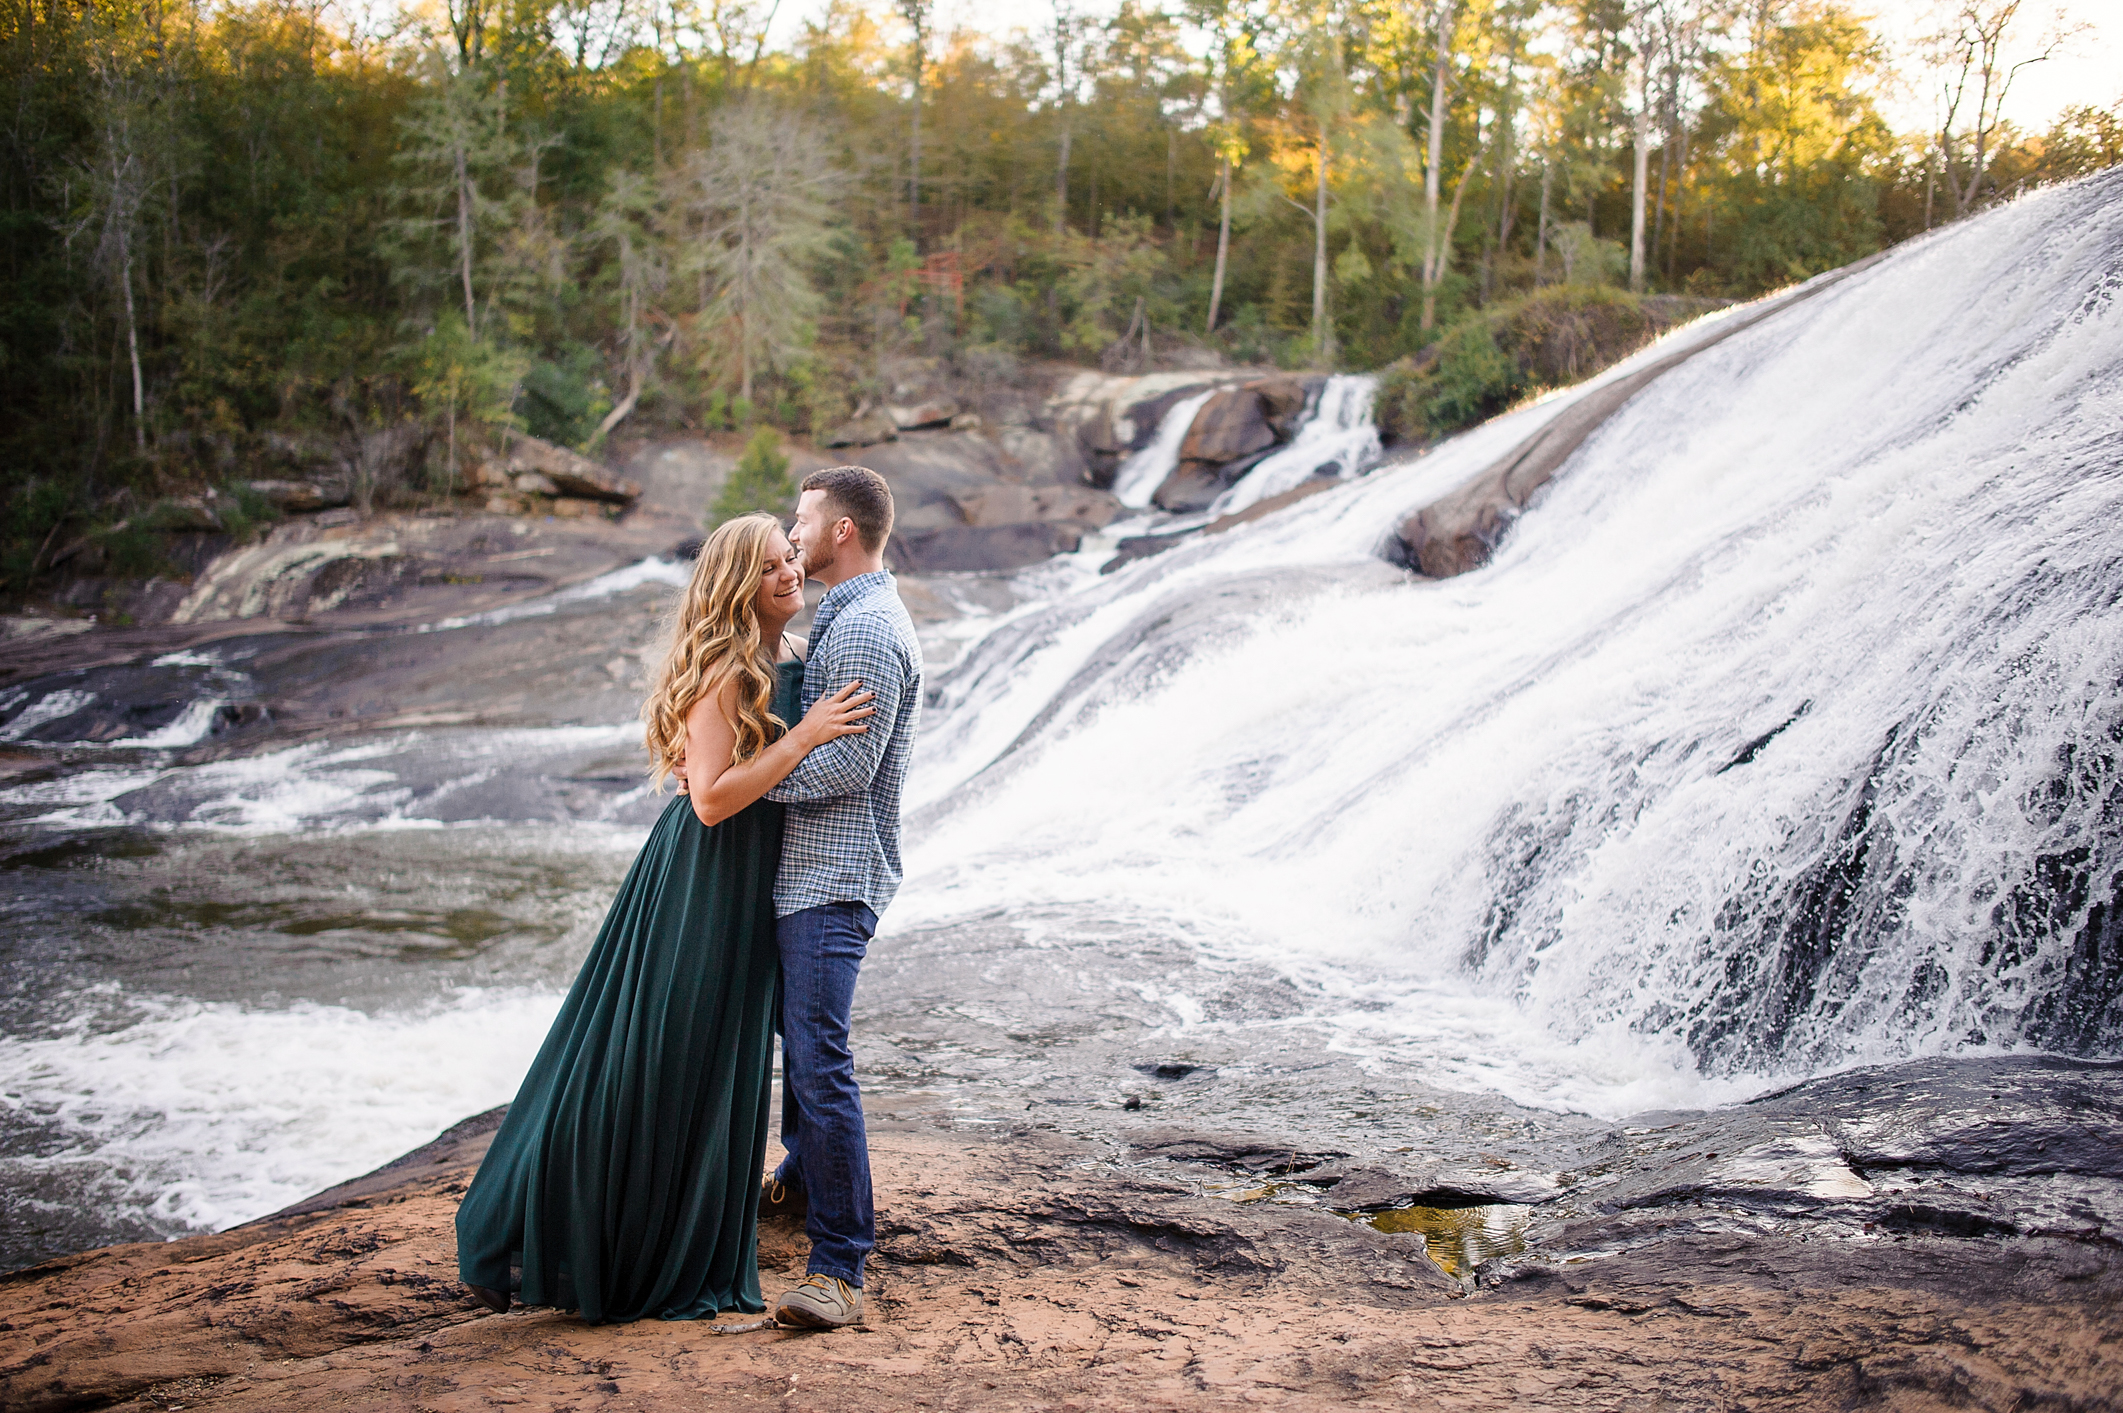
column 625, row 1180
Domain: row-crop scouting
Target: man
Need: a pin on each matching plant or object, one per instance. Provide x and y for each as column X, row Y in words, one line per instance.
column 839, row 868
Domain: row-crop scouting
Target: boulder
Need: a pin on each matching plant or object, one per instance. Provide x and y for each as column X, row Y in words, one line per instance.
column 1106, row 417
column 196, row 513
column 1232, row 424
column 867, row 427
column 1043, row 456
column 934, row 411
column 531, row 483
column 1283, row 402
column 1193, row 485
column 570, row 474
column 977, row 548
column 302, row 497
column 1007, row 504
column 682, row 475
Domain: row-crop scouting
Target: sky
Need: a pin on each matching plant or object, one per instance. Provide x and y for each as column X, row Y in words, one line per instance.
column 2087, row 72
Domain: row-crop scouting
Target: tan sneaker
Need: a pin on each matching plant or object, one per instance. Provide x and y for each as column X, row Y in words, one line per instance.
column 820, row 1303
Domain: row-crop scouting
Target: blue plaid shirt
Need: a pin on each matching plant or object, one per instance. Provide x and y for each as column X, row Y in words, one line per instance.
column 841, row 841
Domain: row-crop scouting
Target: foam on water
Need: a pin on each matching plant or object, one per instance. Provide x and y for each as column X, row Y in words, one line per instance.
column 188, row 728
column 203, row 1115
column 408, row 779
column 653, row 570
column 49, row 708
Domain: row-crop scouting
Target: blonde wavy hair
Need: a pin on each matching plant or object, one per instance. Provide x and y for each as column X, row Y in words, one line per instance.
column 714, row 639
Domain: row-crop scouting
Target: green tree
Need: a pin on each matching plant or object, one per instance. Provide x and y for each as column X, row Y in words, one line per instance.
column 760, row 194
column 759, row 481
column 471, row 382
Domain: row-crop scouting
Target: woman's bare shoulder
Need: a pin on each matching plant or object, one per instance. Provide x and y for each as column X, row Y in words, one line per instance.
column 798, row 647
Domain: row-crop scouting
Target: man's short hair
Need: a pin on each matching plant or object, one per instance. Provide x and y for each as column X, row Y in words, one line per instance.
column 860, row 494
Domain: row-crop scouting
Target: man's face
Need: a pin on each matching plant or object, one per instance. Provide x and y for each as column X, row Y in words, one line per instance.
column 813, row 534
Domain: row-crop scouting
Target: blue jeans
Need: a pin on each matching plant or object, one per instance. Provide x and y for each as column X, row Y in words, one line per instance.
column 821, row 1114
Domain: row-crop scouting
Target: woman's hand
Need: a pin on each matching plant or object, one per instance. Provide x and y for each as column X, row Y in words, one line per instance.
column 840, row 714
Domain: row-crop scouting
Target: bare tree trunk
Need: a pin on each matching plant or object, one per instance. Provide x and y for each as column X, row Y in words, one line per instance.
column 1061, row 178
column 1452, row 223
column 1171, row 173
column 1673, row 234
column 1433, row 175
column 132, row 347
column 1223, row 246
column 1505, row 162
column 1658, row 210
column 464, row 240
column 746, row 275
column 1636, row 200
column 631, row 298
column 917, row 13
column 1322, row 340
column 1064, row 35
column 1540, row 236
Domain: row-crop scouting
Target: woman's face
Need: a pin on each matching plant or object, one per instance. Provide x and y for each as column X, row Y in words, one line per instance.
column 780, row 594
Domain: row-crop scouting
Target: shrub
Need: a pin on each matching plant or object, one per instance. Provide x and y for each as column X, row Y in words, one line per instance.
column 759, row 481
column 564, row 397
column 1493, row 359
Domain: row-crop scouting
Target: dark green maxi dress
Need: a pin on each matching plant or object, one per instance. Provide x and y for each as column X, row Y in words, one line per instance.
column 625, row 1180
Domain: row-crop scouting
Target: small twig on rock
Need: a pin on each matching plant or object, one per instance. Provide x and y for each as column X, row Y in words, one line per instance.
column 745, row 1327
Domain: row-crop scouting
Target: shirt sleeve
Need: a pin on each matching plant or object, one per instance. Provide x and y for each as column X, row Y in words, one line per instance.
column 846, row 765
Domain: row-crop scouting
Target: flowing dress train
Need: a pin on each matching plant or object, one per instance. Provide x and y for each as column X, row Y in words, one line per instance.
column 625, row 1180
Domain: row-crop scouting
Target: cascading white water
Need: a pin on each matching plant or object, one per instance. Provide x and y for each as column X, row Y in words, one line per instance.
column 1338, row 440
column 1782, row 733
column 1144, row 471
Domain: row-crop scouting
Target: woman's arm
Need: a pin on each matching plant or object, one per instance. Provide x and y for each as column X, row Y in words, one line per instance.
column 720, row 789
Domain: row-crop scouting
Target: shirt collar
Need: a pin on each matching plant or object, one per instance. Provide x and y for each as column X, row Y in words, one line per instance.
column 854, row 588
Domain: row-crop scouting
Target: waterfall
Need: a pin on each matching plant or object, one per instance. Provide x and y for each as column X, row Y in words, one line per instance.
column 1339, row 440
column 1784, row 731
column 1143, row 472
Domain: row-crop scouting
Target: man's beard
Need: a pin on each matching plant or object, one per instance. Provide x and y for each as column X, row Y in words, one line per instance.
column 817, row 561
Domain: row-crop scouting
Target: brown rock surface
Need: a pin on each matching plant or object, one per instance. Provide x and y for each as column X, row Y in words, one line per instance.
column 1231, row 424
column 1029, row 1270
column 932, row 411
column 867, row 427
column 571, row 474
column 1007, row 504
column 302, row 497
column 980, row 548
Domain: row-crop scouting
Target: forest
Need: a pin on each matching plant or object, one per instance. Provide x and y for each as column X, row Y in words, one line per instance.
column 244, row 236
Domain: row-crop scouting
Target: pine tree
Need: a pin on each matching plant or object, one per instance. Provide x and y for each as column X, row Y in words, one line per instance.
column 761, row 195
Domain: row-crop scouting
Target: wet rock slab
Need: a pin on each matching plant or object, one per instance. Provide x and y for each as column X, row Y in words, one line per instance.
column 1023, row 1268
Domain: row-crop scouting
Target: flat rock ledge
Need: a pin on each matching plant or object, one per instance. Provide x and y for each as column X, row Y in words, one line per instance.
column 1030, row 1270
